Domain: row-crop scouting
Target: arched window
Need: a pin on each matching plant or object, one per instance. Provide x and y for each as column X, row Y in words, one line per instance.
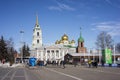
column 48, row 51
column 37, row 41
column 52, row 52
column 57, row 51
column 37, row 33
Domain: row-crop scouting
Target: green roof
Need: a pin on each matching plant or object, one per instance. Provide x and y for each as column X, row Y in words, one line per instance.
column 69, row 46
column 81, row 39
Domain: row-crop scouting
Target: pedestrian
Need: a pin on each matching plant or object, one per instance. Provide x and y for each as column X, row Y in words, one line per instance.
column 63, row 64
column 89, row 63
column 96, row 64
column 102, row 61
column 75, row 63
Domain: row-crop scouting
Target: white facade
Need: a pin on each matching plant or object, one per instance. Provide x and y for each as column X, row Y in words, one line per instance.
column 37, row 36
column 53, row 52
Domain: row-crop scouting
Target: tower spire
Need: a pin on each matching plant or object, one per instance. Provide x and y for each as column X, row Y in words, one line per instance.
column 80, row 38
column 80, row 32
column 37, row 19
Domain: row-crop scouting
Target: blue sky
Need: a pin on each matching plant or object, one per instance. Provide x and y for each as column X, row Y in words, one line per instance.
column 57, row 17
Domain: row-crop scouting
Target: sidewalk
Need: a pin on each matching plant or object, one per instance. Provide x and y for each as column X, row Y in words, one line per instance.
column 7, row 65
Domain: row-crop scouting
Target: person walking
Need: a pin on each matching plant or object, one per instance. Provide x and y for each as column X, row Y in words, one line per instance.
column 89, row 63
column 63, row 64
column 96, row 63
column 75, row 63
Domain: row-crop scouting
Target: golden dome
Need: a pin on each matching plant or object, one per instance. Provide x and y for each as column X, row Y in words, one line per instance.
column 72, row 41
column 57, row 42
column 60, row 41
column 65, row 37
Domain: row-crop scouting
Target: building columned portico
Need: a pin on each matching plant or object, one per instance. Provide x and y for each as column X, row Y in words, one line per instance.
column 51, row 53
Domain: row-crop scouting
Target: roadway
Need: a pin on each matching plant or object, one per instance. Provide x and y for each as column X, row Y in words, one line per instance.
column 58, row 73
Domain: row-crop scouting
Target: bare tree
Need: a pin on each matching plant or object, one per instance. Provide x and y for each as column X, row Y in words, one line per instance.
column 11, row 50
column 10, row 43
column 104, row 40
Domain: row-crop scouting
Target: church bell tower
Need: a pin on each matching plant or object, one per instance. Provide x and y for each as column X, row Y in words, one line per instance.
column 81, row 48
column 37, row 35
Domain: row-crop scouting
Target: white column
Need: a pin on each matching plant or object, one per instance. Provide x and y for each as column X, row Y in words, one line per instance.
column 59, row 54
column 41, row 56
column 50, row 56
column 55, row 54
column 63, row 54
column 46, row 55
column 37, row 54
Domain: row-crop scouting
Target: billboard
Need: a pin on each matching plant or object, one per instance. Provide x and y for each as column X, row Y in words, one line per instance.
column 107, row 56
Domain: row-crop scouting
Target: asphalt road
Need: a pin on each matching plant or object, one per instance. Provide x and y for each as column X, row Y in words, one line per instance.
column 58, row 73
column 17, row 74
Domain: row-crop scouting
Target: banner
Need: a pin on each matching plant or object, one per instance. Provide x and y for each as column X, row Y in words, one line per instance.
column 107, row 56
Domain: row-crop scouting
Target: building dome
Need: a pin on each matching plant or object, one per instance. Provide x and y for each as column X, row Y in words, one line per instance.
column 60, row 41
column 57, row 42
column 65, row 37
column 72, row 41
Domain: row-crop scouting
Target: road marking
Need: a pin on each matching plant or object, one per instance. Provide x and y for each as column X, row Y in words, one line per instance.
column 64, row 74
column 13, row 75
column 19, row 76
column 6, row 75
column 26, row 76
column 100, row 71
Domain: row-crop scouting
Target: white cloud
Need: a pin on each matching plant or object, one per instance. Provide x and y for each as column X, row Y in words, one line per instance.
column 108, row 1
column 55, row 8
column 112, row 28
column 61, row 7
column 104, row 27
column 114, row 3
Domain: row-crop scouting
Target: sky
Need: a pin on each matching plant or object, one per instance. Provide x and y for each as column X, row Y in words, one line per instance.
column 59, row 17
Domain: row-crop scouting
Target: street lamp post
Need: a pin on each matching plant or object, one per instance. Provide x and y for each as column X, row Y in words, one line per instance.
column 99, row 51
column 21, row 32
column 93, row 53
column 114, row 54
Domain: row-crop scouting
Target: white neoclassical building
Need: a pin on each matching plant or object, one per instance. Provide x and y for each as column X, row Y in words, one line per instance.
column 56, row 51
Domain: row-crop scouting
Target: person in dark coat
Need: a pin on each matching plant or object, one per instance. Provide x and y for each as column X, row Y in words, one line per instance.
column 75, row 63
column 95, row 64
column 62, row 63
